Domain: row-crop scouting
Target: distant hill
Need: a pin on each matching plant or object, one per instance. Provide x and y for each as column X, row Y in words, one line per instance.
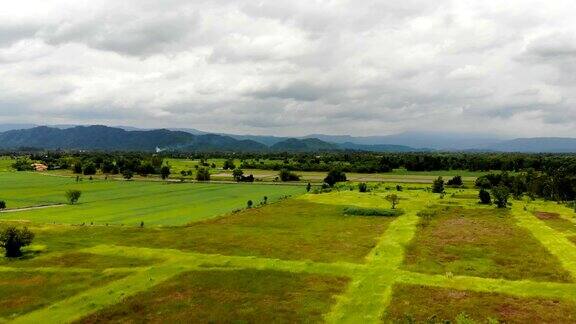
column 110, row 138
column 536, row 144
column 379, row 147
column 304, row 145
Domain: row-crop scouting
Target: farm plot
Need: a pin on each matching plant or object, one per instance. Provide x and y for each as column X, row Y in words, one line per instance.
column 303, row 259
column 128, row 202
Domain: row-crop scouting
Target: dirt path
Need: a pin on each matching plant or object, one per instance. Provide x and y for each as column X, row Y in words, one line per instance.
column 30, row 208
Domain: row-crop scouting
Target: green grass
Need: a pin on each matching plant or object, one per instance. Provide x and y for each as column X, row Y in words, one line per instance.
column 6, row 163
column 128, row 202
column 437, row 305
column 483, row 243
column 22, row 291
column 300, row 259
column 291, row 229
column 357, row 211
column 243, row 296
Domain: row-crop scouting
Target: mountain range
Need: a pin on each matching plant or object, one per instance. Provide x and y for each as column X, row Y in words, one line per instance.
column 14, row 136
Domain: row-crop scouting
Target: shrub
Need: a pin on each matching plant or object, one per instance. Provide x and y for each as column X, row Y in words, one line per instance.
column 228, row 164
column 456, row 181
column 165, row 172
column 203, row 174
column 13, row 239
column 249, row 203
column 484, row 197
column 358, row 211
column 334, row 176
column 308, row 187
column 89, row 169
column 23, row 164
column 438, row 185
column 362, row 187
column 501, row 195
column 237, row 174
column 127, row 174
column 393, row 199
column 286, row 175
column 2, row 204
column 73, row 196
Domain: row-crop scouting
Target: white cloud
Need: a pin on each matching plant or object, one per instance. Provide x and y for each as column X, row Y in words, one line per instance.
column 291, row 66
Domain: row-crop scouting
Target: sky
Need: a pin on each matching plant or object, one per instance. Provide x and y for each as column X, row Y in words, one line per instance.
column 293, row 67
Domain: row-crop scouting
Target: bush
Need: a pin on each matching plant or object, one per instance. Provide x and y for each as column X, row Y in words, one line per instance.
column 127, row 174
column 2, row 204
column 89, row 169
column 501, row 195
column 229, row 165
column 249, row 204
column 334, row 176
column 438, row 185
column 393, row 199
column 286, row 175
column 358, row 211
column 362, row 187
column 203, row 174
column 23, row 164
column 73, row 196
column 13, row 239
column 484, row 197
column 456, row 181
column 165, row 172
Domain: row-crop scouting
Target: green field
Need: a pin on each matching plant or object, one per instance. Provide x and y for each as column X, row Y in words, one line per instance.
column 127, row 202
column 301, row 259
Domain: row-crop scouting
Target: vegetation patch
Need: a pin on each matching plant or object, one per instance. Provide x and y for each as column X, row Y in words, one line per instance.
column 359, row 211
column 479, row 242
column 555, row 221
column 292, row 229
column 411, row 303
column 22, row 291
column 243, row 296
column 83, row 260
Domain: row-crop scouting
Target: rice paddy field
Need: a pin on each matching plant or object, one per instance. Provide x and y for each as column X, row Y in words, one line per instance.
column 202, row 256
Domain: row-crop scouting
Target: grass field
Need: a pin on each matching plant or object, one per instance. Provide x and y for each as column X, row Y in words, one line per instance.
column 301, row 259
column 127, row 202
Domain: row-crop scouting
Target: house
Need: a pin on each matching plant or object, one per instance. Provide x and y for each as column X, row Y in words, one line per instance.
column 39, row 167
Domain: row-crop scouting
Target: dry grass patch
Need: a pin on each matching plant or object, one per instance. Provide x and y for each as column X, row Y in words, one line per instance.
column 555, row 221
column 436, row 305
column 480, row 242
column 242, row 296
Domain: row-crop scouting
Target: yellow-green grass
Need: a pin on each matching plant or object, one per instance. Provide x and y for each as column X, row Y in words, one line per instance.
column 480, row 242
column 290, row 229
column 6, row 163
column 420, row 303
column 24, row 291
column 244, row 296
column 128, row 202
column 79, row 260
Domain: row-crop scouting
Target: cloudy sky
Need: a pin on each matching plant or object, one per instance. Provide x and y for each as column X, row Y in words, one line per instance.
column 291, row 67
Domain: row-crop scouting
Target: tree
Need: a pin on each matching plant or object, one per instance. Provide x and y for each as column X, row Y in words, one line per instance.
column 78, row 167
column 2, row 204
column 308, row 187
column 455, row 181
column 13, row 239
column 265, row 200
column 127, row 174
column 249, row 203
column 229, row 165
column 501, row 195
column 89, row 169
column 438, row 185
column 286, row 175
column 203, row 174
column 362, row 187
column 165, row 172
column 484, row 196
column 237, row 174
column 23, row 164
column 73, row 196
column 393, row 199
column 334, row 176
